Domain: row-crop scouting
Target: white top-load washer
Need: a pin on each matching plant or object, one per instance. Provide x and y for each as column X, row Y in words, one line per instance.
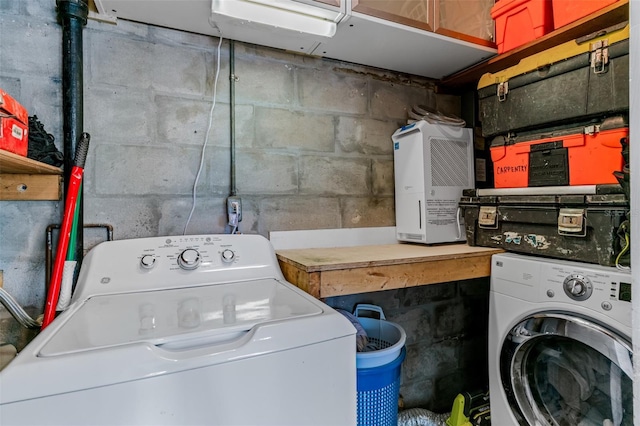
column 186, row 330
column 559, row 343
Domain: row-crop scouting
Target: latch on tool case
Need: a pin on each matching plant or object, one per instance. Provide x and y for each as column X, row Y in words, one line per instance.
column 600, row 56
column 488, row 217
column 572, row 222
column 592, row 130
column 502, row 90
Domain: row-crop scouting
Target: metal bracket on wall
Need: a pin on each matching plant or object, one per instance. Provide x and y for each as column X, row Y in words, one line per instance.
column 49, row 244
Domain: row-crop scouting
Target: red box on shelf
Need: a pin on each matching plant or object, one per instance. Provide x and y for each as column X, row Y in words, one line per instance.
column 521, row 21
column 568, row 11
column 573, row 156
column 14, row 125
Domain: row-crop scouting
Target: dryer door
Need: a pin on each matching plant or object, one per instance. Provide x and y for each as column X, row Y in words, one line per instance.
column 561, row 369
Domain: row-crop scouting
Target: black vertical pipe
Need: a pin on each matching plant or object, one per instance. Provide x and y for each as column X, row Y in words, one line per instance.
column 72, row 16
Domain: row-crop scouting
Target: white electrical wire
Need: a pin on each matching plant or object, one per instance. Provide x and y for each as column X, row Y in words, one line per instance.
column 206, row 139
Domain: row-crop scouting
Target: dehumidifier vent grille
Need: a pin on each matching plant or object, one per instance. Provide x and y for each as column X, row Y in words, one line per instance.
column 449, row 162
column 407, row 236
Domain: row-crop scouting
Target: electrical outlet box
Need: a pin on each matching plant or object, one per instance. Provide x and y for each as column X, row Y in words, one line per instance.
column 234, row 207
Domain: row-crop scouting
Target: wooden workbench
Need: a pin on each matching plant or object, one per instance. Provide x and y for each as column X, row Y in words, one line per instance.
column 326, row 272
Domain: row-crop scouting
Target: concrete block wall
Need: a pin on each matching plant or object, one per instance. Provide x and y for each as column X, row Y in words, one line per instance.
column 313, row 146
column 446, row 326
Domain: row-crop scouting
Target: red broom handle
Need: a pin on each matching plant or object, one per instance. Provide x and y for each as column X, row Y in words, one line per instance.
column 75, row 179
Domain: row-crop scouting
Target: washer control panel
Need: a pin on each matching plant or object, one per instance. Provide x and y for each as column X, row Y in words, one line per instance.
column 189, row 254
column 577, row 287
column 561, row 284
column 177, row 261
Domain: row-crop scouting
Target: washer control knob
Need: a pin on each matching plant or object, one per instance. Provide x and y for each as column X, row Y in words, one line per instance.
column 228, row 255
column 577, row 287
column 189, row 259
column 148, row 261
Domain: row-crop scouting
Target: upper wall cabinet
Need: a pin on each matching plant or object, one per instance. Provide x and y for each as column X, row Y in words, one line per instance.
column 430, row 38
column 466, row 20
column 462, row 19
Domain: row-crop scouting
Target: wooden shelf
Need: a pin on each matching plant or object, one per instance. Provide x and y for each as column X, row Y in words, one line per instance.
column 22, row 178
column 341, row 271
column 604, row 18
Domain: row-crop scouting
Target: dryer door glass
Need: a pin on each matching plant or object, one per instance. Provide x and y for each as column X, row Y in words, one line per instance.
column 559, row 369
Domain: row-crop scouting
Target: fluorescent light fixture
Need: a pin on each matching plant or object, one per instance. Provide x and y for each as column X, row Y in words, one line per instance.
column 286, row 14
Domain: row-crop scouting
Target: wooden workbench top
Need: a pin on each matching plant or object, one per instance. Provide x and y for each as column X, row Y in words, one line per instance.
column 326, row 272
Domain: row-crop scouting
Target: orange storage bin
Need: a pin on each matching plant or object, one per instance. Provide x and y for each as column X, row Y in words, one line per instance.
column 568, row 11
column 14, row 125
column 521, row 21
column 580, row 156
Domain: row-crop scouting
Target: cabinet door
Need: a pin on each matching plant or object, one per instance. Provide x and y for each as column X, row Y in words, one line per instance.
column 465, row 20
column 413, row 13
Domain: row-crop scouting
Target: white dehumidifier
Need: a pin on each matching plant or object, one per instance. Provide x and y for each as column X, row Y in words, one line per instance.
column 433, row 163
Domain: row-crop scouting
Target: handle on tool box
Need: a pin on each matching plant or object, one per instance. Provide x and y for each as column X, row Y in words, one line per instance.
column 368, row 307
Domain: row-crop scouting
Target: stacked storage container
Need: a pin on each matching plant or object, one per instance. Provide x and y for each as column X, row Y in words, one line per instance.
column 14, row 125
column 558, row 124
column 519, row 22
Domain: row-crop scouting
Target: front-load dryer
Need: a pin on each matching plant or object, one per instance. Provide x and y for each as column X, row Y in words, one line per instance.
column 560, row 348
column 186, row 330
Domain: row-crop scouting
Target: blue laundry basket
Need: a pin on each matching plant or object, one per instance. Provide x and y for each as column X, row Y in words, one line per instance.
column 378, row 368
column 378, row 390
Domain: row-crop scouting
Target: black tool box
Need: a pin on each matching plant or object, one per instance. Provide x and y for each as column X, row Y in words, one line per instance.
column 583, row 78
column 581, row 227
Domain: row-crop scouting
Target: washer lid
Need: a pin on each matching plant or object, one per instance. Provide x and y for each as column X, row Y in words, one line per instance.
column 170, row 316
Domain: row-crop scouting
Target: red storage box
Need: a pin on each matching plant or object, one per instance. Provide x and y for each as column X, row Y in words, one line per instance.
column 14, row 125
column 521, row 21
column 576, row 156
column 568, row 11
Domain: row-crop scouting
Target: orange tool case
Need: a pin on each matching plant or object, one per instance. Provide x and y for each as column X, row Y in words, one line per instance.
column 584, row 155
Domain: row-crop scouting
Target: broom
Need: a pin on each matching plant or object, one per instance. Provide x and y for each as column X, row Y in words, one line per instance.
column 75, row 179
